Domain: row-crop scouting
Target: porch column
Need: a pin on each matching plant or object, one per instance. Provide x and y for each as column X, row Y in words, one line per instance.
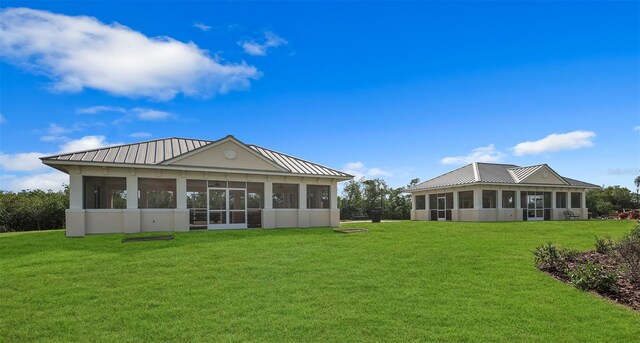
column 132, row 213
column 477, row 198
column 499, row 199
column 303, row 214
column 412, row 213
column 75, row 191
column 181, row 193
column 268, row 213
column 583, row 204
column 333, row 204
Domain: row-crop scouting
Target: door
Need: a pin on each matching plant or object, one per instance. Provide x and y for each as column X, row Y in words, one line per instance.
column 535, row 207
column 227, row 208
column 442, row 207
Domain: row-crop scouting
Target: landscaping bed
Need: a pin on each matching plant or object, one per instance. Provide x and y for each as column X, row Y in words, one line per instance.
column 612, row 270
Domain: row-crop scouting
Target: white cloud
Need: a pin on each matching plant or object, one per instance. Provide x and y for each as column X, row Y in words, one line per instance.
column 30, row 161
column 53, row 180
column 98, row 109
column 55, row 129
column 637, row 128
column 53, row 138
column 1, row 119
column 27, row 161
column 81, row 52
column 151, row 114
column 481, row 154
column 271, row 40
column 359, row 170
column 202, row 26
column 140, row 135
column 85, row 143
column 556, row 141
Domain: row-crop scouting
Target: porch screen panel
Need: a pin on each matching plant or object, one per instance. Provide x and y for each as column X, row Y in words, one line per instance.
column 105, row 192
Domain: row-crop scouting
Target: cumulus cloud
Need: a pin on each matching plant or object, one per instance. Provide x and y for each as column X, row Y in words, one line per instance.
column 30, row 161
column 487, row 153
column 85, row 143
column 31, row 164
column 53, row 180
column 202, row 26
column 555, row 142
column 27, row 161
column 78, row 52
column 98, row 109
column 359, row 170
column 271, row 40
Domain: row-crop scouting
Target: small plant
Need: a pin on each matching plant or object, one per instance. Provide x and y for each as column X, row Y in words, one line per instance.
column 623, row 215
column 604, row 245
column 634, row 215
column 591, row 276
column 628, row 250
column 551, row 257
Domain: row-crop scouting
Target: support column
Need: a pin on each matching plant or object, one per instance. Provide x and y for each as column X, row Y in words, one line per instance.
column 553, row 205
column 75, row 215
column 413, row 207
column 268, row 213
column 303, row 213
column 132, row 213
column 583, row 204
column 333, row 204
column 181, row 214
column 455, row 211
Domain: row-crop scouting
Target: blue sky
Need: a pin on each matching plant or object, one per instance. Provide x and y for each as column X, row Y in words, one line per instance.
column 378, row 89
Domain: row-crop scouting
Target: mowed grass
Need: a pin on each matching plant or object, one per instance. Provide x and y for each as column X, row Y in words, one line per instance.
column 403, row 281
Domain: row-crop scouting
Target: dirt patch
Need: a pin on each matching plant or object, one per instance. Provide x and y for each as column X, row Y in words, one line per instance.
column 628, row 293
column 148, row 238
column 356, row 230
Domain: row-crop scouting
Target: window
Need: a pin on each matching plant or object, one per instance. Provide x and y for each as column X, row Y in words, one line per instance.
column 421, row 202
column 197, row 203
column 317, row 196
column 105, row 192
column 156, row 193
column 255, row 195
column 576, row 199
column 508, row 199
column 285, row 195
column 433, row 198
column 561, row 200
column 489, row 199
column 465, row 199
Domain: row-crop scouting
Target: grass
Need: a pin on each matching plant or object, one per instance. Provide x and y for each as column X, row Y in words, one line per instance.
column 406, row 281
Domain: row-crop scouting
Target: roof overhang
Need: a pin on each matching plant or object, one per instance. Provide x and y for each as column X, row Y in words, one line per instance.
column 512, row 185
column 62, row 164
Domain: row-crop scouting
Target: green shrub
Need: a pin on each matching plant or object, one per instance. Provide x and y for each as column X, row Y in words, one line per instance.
column 628, row 250
column 551, row 257
column 591, row 276
column 604, row 245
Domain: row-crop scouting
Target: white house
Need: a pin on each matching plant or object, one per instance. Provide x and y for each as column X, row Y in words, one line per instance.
column 178, row 184
column 499, row 192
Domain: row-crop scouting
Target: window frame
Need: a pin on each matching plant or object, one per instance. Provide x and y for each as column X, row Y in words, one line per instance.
column 424, row 202
column 294, row 200
column 513, row 199
column 321, row 189
column 495, row 198
column 468, row 205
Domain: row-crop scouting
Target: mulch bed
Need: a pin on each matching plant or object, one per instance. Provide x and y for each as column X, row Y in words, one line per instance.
column 351, row 230
column 148, row 238
column 628, row 291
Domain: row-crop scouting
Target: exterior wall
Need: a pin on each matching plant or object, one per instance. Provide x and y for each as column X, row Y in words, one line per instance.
column 134, row 220
column 498, row 214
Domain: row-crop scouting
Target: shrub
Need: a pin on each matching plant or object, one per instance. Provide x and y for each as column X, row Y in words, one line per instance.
column 628, row 250
column 591, row 276
column 551, row 257
column 604, row 245
column 623, row 215
column 634, row 215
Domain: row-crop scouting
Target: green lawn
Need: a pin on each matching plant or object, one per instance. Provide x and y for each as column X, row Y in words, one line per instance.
column 406, row 281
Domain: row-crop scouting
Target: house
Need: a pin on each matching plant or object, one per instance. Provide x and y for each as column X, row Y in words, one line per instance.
column 179, row 184
column 499, row 192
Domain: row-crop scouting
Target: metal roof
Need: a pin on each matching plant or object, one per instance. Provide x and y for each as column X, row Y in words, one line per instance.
column 490, row 173
column 155, row 152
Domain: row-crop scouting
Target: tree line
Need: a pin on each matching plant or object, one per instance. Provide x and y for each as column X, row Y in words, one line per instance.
column 360, row 197
column 31, row 210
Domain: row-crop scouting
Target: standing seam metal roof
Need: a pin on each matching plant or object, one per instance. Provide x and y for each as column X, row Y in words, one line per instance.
column 488, row 173
column 155, row 152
